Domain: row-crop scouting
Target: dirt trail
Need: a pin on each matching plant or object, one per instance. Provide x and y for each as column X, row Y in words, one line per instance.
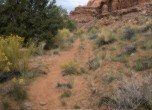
column 43, row 92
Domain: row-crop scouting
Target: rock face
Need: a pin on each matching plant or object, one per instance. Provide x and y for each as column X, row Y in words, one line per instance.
column 100, row 8
column 83, row 14
column 114, row 4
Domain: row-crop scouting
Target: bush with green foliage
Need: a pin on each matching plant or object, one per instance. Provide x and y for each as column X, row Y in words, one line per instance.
column 33, row 19
column 18, row 93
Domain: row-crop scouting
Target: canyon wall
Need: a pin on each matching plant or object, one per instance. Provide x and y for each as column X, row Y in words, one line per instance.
column 100, row 8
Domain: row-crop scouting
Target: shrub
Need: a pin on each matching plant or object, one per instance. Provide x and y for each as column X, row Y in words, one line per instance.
column 105, row 37
column 128, row 33
column 64, row 38
column 143, row 64
column 71, row 25
column 40, row 48
column 134, row 93
column 80, row 32
column 12, row 56
column 45, row 19
column 18, row 91
column 93, row 30
column 9, row 52
column 129, row 49
column 70, row 68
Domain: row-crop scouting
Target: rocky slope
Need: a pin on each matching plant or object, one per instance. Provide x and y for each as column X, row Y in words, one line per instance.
column 101, row 10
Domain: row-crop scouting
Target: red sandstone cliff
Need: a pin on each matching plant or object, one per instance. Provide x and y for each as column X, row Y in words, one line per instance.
column 101, row 8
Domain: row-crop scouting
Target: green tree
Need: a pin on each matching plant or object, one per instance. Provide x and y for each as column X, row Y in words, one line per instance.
column 33, row 19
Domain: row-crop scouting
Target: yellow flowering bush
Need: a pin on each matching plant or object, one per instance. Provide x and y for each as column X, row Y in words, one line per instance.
column 12, row 56
column 4, row 63
column 19, row 81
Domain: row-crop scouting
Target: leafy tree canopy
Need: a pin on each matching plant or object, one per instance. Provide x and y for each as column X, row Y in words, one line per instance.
column 32, row 19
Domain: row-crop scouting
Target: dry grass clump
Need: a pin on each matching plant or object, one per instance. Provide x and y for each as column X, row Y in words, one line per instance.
column 80, row 32
column 65, row 85
column 145, row 28
column 94, row 63
column 70, row 68
column 123, row 58
column 66, row 94
column 110, row 77
column 93, row 33
column 15, row 89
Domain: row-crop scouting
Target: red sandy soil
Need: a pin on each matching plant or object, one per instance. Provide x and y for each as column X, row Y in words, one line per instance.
column 43, row 92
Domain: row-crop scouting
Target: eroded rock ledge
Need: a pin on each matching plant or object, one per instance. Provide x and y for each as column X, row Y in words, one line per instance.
column 98, row 9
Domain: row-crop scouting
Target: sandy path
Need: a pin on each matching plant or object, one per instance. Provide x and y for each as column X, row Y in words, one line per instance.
column 43, row 90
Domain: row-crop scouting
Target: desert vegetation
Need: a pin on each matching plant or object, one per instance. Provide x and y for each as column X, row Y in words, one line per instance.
column 46, row 62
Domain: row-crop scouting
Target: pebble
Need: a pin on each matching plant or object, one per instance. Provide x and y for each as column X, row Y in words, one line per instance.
column 43, row 103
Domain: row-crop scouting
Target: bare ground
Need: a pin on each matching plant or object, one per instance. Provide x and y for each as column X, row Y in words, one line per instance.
column 43, row 92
